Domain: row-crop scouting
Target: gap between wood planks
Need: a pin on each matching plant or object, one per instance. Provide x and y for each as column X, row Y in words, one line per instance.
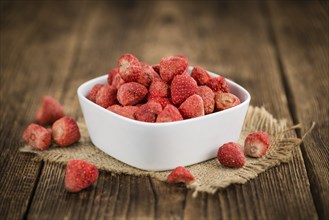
column 284, row 79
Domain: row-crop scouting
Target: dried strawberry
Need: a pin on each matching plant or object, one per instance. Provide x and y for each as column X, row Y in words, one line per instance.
column 50, row 111
column 218, row 84
column 172, row 66
column 256, row 144
column 125, row 111
column 131, row 93
column 79, row 175
column 106, row 96
column 65, row 131
column 148, row 112
column 231, row 155
column 168, row 114
column 111, row 75
column 192, row 107
column 226, row 100
column 93, row 92
column 117, row 81
column 130, row 69
column 146, row 77
column 200, row 75
column 37, row 136
column 162, row 101
column 208, row 98
column 180, row 175
column 158, row 88
column 182, row 87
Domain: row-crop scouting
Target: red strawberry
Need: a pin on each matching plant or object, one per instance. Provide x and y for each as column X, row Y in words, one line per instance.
column 148, row 112
column 106, row 96
column 147, row 75
column 192, row 107
column 231, row 155
column 93, row 92
column 65, row 131
column 156, row 68
column 180, row 175
column 130, row 69
column 172, row 66
column 182, row 87
column 162, row 101
column 218, row 84
column 125, row 111
column 117, row 81
column 79, row 175
column 37, row 136
column 131, row 93
column 226, row 100
column 168, row 114
column 50, row 111
column 200, row 75
column 158, row 88
column 111, row 75
column 208, row 98
column 256, row 144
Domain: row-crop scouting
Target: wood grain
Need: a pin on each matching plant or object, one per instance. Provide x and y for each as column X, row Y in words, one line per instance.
column 302, row 37
column 85, row 41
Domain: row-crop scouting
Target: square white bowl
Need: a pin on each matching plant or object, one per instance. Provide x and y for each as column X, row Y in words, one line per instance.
column 162, row 146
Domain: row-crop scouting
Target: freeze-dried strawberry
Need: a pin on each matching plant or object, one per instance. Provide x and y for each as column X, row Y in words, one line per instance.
column 200, row 75
column 148, row 112
column 226, row 100
column 161, row 100
column 218, row 84
column 130, row 69
column 147, row 75
column 156, row 68
column 93, row 92
column 37, row 136
column 125, row 111
column 256, row 144
column 79, row 175
column 172, row 66
column 208, row 98
column 117, row 81
column 131, row 93
column 180, row 175
column 158, row 88
column 50, row 111
column 169, row 113
column 106, row 96
column 65, row 131
column 182, row 87
column 192, row 107
column 111, row 75
column 231, row 155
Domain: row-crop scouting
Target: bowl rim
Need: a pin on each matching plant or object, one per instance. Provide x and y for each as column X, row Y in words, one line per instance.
column 164, row 124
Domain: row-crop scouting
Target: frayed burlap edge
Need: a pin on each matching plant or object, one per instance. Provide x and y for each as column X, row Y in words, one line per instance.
column 210, row 175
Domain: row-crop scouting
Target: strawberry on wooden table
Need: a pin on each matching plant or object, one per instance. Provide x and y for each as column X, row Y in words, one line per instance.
column 231, row 155
column 37, row 136
column 79, row 175
column 50, row 111
column 65, row 131
column 256, row 144
column 180, row 175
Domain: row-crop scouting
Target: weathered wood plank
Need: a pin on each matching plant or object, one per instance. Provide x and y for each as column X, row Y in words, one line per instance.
column 302, row 37
column 31, row 58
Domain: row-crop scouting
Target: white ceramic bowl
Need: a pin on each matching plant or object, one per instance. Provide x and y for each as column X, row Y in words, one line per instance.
column 162, row 146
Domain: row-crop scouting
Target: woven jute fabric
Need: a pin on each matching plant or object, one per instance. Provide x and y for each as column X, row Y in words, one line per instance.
column 210, row 175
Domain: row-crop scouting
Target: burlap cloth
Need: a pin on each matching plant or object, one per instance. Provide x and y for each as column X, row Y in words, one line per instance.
column 210, row 175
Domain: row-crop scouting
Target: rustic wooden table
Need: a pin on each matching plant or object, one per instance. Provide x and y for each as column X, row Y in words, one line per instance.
column 278, row 50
